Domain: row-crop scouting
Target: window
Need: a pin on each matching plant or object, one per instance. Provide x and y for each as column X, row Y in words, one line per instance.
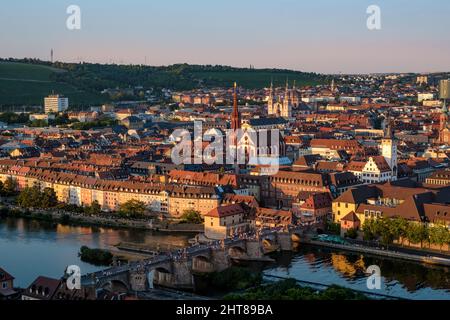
column 5, row 285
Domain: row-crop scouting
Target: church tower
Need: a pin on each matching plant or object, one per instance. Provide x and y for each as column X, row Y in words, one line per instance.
column 389, row 149
column 270, row 101
column 294, row 96
column 444, row 132
column 286, row 111
column 333, row 86
column 236, row 116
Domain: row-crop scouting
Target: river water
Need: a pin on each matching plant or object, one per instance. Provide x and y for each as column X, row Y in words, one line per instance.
column 400, row 278
column 31, row 248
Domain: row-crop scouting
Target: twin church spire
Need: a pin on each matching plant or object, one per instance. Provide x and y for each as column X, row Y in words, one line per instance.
column 283, row 106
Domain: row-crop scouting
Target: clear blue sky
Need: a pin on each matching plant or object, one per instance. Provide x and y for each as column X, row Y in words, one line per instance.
column 327, row 36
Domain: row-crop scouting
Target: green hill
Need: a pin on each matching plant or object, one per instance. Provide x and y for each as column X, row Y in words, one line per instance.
column 29, row 81
column 28, row 84
column 180, row 76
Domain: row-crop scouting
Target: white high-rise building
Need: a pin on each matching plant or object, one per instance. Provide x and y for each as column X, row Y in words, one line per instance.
column 444, row 89
column 56, row 104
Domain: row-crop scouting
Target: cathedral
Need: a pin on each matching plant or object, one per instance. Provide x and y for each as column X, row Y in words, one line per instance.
column 259, row 146
column 282, row 107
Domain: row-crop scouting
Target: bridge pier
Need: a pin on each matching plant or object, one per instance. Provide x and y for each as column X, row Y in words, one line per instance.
column 220, row 259
column 254, row 249
column 182, row 275
column 139, row 281
column 284, row 240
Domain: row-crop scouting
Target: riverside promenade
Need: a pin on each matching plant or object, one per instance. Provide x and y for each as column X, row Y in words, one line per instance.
column 426, row 257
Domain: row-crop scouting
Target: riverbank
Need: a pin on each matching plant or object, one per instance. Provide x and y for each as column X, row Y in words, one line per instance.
column 383, row 253
column 77, row 219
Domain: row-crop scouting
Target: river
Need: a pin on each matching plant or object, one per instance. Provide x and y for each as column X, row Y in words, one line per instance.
column 31, row 248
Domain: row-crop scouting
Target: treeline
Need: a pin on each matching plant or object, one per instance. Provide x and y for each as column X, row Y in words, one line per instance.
column 8, row 188
column 398, row 229
column 93, row 77
column 14, row 118
column 231, row 279
column 290, row 290
column 35, row 198
column 94, row 124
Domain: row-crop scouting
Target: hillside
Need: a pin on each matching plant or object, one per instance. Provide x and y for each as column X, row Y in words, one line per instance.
column 28, row 81
column 180, row 76
column 28, row 84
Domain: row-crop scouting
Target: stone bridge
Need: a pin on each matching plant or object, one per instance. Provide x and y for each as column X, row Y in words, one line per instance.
column 176, row 269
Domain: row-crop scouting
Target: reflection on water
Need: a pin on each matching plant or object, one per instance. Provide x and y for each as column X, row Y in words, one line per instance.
column 30, row 248
column 400, row 278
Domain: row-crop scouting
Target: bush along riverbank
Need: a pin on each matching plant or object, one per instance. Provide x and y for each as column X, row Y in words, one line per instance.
column 26, row 214
column 245, row 284
column 290, row 290
column 231, row 279
column 96, row 257
column 98, row 220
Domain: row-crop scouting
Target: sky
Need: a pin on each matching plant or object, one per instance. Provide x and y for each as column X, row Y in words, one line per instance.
column 325, row 36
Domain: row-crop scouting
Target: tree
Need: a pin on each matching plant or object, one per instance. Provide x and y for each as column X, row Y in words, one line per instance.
column 97, row 257
column 93, row 209
column 192, row 216
column 439, row 235
column 369, row 230
column 400, row 229
column 38, row 123
column 417, row 233
column 48, row 198
column 132, row 208
column 24, row 198
column 334, row 228
column 9, row 187
column 34, row 198
column 352, row 234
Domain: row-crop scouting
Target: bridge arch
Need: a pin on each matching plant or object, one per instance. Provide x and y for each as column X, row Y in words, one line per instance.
column 296, row 237
column 202, row 264
column 162, row 277
column 269, row 244
column 116, row 286
column 236, row 252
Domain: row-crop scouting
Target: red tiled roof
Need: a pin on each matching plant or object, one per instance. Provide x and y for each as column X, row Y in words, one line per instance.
column 352, row 217
column 225, row 211
column 5, row 276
